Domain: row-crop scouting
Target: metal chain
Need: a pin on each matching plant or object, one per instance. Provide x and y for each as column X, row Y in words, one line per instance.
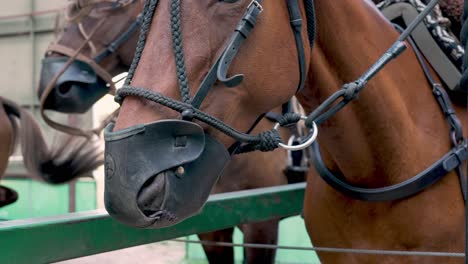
column 327, row 249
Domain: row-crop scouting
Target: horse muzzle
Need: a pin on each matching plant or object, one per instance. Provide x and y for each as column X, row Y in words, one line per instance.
column 75, row 91
column 160, row 173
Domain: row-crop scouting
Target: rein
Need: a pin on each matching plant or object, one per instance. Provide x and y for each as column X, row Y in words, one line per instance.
column 74, row 54
column 349, row 92
column 94, row 64
column 453, row 160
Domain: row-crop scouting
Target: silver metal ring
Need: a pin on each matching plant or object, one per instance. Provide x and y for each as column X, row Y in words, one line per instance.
column 304, row 145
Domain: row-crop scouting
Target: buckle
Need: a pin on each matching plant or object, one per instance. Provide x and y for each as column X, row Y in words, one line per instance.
column 256, row 4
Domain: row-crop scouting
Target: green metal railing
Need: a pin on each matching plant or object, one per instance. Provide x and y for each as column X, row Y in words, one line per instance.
column 50, row 239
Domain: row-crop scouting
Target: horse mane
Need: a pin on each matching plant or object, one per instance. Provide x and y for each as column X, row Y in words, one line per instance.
column 70, row 157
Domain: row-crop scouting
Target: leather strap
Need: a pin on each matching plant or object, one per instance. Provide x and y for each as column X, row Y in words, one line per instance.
column 453, row 159
column 296, row 24
column 121, row 39
column 58, row 48
column 93, row 63
column 206, row 85
column 73, row 54
column 243, row 30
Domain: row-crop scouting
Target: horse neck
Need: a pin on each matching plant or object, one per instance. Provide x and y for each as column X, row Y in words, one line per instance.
column 386, row 131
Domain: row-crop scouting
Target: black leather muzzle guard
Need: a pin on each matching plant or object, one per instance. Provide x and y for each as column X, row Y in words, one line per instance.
column 76, row 90
column 160, row 173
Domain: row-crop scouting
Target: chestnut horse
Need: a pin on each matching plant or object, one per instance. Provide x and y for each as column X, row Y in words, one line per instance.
column 243, row 172
column 394, row 131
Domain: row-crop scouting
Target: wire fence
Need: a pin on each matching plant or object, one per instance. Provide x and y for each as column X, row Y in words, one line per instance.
column 327, row 249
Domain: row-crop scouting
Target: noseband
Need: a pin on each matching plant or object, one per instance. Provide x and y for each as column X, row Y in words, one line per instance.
column 74, row 64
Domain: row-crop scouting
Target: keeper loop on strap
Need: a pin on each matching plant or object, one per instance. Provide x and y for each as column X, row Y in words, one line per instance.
column 457, row 157
column 289, row 119
column 297, row 24
column 351, row 90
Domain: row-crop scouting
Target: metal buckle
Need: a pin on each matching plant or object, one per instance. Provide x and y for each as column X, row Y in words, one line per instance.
column 256, row 4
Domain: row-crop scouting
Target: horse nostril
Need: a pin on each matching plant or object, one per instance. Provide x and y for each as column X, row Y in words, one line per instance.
column 65, row 88
column 151, row 196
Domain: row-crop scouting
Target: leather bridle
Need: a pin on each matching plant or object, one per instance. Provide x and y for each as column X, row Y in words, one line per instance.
column 189, row 107
column 93, row 63
column 178, row 152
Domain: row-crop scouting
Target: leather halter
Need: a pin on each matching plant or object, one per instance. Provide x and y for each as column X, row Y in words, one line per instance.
column 189, row 108
column 94, row 64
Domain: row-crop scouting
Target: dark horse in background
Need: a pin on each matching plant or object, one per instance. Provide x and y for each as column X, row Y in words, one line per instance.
column 395, row 130
column 102, row 36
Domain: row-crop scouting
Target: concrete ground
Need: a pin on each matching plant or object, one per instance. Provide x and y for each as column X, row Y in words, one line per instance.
column 157, row 253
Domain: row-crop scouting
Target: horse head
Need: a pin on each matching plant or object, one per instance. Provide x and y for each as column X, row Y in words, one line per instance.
column 161, row 162
column 78, row 66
